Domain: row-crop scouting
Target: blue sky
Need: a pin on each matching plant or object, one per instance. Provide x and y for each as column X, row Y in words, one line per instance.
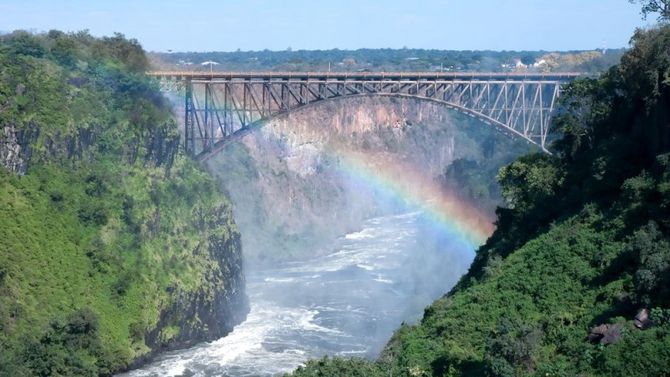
column 226, row 25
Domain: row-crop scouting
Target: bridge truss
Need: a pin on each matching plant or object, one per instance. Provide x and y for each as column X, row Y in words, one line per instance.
column 223, row 106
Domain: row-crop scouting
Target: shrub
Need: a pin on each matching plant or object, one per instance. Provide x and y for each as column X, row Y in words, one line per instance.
column 652, row 254
column 68, row 348
column 93, row 214
column 512, row 346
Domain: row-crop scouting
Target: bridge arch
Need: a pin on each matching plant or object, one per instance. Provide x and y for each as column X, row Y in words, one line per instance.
column 222, row 107
column 221, row 144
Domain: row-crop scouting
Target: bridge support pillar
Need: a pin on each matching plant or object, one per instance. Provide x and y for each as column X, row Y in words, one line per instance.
column 189, row 119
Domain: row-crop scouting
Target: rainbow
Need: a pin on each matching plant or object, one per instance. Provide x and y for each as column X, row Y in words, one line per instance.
column 405, row 182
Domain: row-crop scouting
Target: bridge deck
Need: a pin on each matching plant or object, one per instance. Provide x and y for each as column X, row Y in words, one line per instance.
column 517, row 76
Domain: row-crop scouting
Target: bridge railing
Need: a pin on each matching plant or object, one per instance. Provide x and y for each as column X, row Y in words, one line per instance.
column 567, row 76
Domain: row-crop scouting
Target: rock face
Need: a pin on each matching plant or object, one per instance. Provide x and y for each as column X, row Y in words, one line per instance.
column 213, row 310
column 292, row 182
column 419, row 132
column 18, row 146
column 15, row 147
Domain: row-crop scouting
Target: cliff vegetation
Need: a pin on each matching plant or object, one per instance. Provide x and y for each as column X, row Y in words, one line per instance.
column 113, row 246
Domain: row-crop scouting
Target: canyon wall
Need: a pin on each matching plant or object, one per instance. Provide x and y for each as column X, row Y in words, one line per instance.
column 293, row 189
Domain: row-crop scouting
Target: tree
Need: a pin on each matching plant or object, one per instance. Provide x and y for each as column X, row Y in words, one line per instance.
column 662, row 7
column 529, row 181
column 652, row 255
column 512, row 347
column 68, row 348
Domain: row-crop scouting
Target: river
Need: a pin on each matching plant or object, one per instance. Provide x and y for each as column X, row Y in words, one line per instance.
column 347, row 303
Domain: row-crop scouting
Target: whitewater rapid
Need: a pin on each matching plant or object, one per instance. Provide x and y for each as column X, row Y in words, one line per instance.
column 347, row 303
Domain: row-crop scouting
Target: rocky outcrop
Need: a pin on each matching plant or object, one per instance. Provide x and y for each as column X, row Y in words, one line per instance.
column 15, row 147
column 160, row 148
column 642, row 320
column 212, row 311
column 606, row 334
column 419, row 132
column 21, row 146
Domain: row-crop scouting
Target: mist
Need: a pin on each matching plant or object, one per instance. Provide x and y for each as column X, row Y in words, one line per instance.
column 348, row 229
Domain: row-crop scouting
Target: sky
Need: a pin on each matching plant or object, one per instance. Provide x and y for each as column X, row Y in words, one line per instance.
column 228, row 25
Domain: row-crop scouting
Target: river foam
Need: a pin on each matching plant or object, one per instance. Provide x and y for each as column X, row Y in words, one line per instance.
column 347, row 303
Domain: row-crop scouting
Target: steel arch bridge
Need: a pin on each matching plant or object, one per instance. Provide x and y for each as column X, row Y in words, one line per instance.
column 223, row 106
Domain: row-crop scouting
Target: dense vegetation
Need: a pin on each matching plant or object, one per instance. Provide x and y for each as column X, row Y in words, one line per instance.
column 390, row 60
column 104, row 229
column 584, row 242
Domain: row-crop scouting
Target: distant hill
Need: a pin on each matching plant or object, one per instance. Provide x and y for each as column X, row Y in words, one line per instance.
column 391, row 60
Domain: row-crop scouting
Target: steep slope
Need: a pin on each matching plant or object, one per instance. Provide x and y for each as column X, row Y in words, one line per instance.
column 575, row 279
column 112, row 245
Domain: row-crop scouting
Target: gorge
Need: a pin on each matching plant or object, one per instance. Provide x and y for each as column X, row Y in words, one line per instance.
column 339, row 210
column 359, row 236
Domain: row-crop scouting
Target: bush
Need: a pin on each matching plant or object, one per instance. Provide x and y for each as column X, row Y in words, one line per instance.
column 93, row 213
column 337, row 367
column 512, row 346
column 651, row 252
column 69, row 348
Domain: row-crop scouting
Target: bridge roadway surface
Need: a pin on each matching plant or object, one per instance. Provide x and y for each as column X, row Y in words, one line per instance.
column 516, row 76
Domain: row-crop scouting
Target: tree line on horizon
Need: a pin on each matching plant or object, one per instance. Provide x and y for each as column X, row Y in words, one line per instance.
column 386, row 59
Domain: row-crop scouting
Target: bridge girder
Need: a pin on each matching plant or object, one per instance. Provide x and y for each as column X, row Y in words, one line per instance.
column 224, row 108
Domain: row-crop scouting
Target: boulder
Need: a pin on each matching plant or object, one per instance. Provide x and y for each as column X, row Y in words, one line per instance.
column 605, row 334
column 642, row 320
